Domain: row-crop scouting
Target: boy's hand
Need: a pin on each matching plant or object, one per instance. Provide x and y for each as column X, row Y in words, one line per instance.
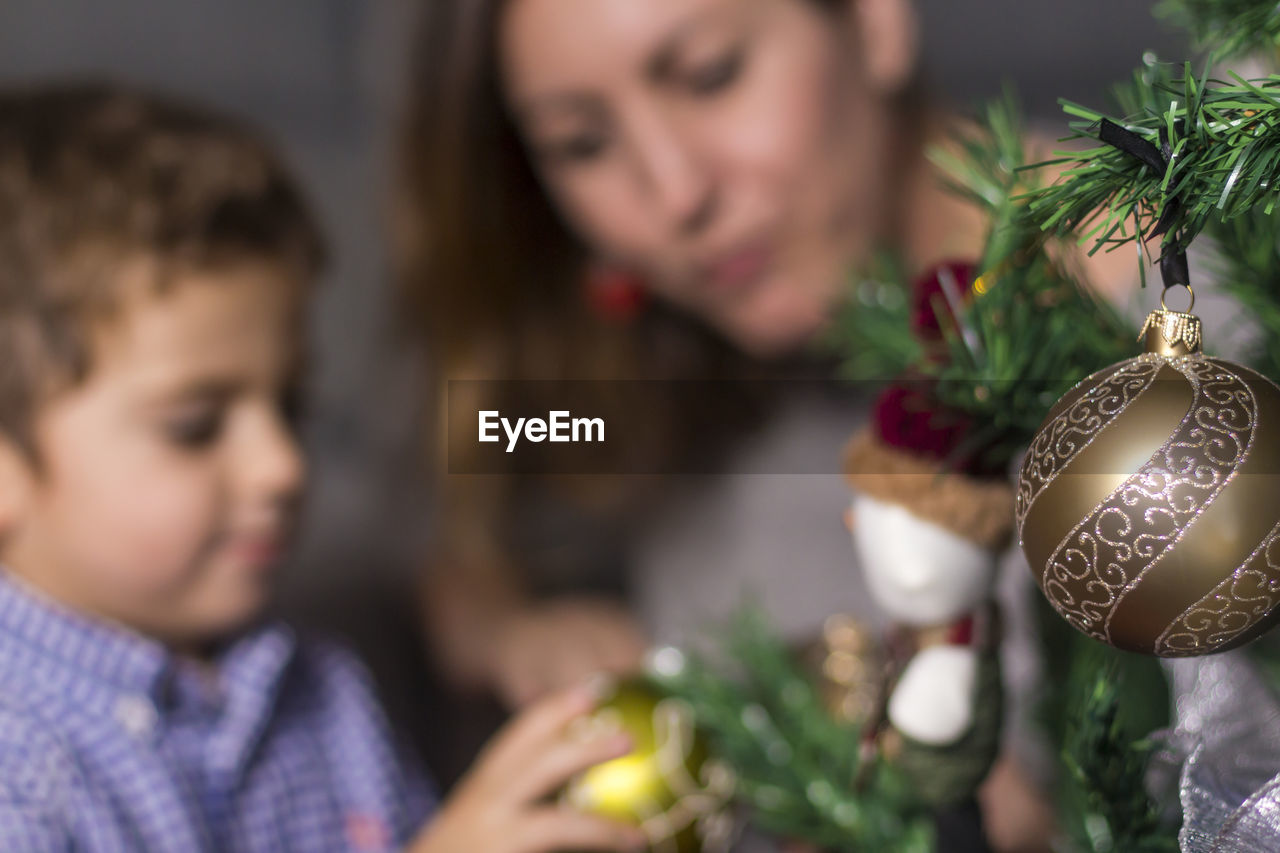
column 551, row 645
column 499, row 807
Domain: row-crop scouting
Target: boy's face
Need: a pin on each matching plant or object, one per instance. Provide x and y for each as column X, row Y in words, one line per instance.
column 168, row 481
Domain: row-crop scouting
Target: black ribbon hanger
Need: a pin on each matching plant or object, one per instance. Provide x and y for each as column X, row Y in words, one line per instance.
column 1173, row 262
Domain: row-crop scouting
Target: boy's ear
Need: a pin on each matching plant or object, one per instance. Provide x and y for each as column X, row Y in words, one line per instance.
column 16, row 483
column 887, row 33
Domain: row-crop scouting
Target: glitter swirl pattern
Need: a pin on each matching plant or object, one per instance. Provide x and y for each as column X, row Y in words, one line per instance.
column 1060, row 441
column 1108, row 554
column 1232, row 607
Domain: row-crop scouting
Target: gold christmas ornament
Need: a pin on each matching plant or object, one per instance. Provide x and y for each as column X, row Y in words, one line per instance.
column 1148, row 503
column 848, row 663
column 667, row 785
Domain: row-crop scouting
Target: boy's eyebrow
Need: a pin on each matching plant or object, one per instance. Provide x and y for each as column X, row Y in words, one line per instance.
column 222, row 385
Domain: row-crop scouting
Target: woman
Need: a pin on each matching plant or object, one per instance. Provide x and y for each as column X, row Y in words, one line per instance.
column 722, row 164
column 733, row 158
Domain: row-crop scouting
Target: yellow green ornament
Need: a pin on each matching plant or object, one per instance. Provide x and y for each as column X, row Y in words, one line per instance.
column 667, row 785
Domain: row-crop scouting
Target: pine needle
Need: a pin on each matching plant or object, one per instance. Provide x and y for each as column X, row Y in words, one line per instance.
column 1029, row 331
column 1227, row 28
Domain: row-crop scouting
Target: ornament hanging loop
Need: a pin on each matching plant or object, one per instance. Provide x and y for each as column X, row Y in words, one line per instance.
column 1191, row 293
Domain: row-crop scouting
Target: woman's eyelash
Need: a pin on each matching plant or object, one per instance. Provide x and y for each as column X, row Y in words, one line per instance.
column 706, row 79
column 713, row 76
column 576, row 149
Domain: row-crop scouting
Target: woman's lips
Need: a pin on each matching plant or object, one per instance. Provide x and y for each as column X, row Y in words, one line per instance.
column 258, row 552
column 740, row 267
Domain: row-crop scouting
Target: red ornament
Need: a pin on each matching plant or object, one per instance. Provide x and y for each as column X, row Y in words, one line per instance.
column 907, row 416
column 614, row 294
column 944, row 288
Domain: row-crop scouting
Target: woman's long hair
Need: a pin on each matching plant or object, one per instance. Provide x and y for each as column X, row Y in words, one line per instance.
column 494, row 279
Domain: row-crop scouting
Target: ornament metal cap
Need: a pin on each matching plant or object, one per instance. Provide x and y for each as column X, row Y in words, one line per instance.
column 1172, row 333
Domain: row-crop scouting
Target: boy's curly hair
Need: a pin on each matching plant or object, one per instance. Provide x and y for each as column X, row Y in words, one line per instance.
column 94, row 177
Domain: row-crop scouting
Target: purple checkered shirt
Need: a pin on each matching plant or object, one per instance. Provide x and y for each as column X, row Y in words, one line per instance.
column 109, row 743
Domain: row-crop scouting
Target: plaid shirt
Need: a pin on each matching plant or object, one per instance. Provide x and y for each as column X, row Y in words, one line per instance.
column 110, row 743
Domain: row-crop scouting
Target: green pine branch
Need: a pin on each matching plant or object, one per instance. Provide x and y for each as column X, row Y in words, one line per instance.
column 1029, row 331
column 986, row 170
column 1110, row 810
column 1098, row 714
column 1245, row 263
column 870, row 331
column 1224, row 142
column 762, row 714
column 1226, row 27
column 795, row 763
column 1221, row 142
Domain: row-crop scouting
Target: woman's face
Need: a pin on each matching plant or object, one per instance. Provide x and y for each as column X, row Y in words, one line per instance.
column 732, row 152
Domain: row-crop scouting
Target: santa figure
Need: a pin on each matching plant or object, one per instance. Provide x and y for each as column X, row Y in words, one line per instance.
column 930, row 516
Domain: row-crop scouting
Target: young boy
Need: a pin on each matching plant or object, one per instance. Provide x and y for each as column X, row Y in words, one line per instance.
column 155, row 262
